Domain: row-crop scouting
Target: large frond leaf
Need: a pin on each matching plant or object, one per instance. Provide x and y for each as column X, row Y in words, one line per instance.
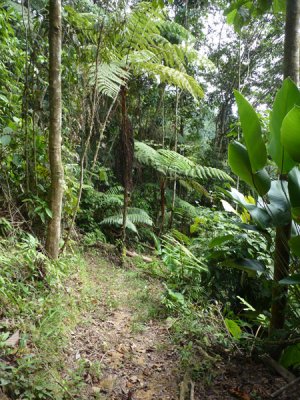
column 170, row 162
column 109, row 77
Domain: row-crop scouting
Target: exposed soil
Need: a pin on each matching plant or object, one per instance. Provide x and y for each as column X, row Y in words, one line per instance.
column 138, row 361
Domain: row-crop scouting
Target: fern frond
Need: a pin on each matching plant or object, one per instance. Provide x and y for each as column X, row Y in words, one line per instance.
column 135, row 216
column 169, row 163
column 109, row 77
column 192, row 185
column 185, row 209
column 117, row 220
column 117, row 190
column 175, row 32
column 139, row 216
column 173, row 77
column 110, row 200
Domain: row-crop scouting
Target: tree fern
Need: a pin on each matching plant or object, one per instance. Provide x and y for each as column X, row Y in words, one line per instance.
column 153, row 53
column 169, row 163
column 135, row 216
column 193, row 185
column 172, row 76
column 108, row 77
column 185, row 209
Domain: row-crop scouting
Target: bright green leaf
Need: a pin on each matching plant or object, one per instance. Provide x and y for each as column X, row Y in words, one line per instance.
column 252, row 133
column 233, row 328
column 287, row 97
column 294, row 191
column 279, row 6
column 239, row 162
column 290, row 133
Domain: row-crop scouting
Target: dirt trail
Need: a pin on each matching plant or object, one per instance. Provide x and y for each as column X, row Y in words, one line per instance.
column 135, row 357
column 126, row 353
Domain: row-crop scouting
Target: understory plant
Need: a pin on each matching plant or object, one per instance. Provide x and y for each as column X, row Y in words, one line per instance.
column 276, row 184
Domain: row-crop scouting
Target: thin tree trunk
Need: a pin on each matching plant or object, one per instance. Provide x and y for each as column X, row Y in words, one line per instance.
column 162, row 204
column 127, row 159
column 282, row 251
column 55, row 159
column 175, row 149
column 102, row 130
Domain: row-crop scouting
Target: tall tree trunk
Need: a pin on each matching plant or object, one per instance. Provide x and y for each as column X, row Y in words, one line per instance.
column 56, row 166
column 127, row 149
column 282, row 251
column 291, row 44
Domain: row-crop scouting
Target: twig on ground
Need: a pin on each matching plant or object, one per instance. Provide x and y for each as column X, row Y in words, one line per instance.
column 287, row 375
column 192, row 395
column 285, row 387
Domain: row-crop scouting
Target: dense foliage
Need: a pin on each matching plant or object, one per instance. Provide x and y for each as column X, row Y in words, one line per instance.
column 154, row 95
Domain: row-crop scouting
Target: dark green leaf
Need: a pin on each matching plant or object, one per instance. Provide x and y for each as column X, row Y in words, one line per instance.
column 220, row 240
column 278, row 205
column 294, row 244
column 291, row 280
column 259, row 215
column 245, row 264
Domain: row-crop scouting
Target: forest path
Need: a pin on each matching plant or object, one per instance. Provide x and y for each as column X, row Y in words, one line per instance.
column 126, row 352
column 122, row 349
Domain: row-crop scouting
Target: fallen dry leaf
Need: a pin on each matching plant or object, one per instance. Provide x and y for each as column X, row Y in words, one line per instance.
column 13, row 340
column 239, row 394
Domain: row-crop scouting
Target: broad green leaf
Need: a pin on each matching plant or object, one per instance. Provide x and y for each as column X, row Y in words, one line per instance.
column 291, row 356
column 294, row 244
column 231, row 16
column 291, row 280
column 245, row 264
column 252, row 133
column 278, row 206
column 279, row 6
column 287, row 97
column 294, row 191
column 239, row 162
column 5, row 140
column 290, row 133
column 233, row 328
column 258, row 214
column 220, row 240
column 48, row 212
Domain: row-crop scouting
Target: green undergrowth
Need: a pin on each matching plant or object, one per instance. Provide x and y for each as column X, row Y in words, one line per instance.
column 43, row 302
column 198, row 331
